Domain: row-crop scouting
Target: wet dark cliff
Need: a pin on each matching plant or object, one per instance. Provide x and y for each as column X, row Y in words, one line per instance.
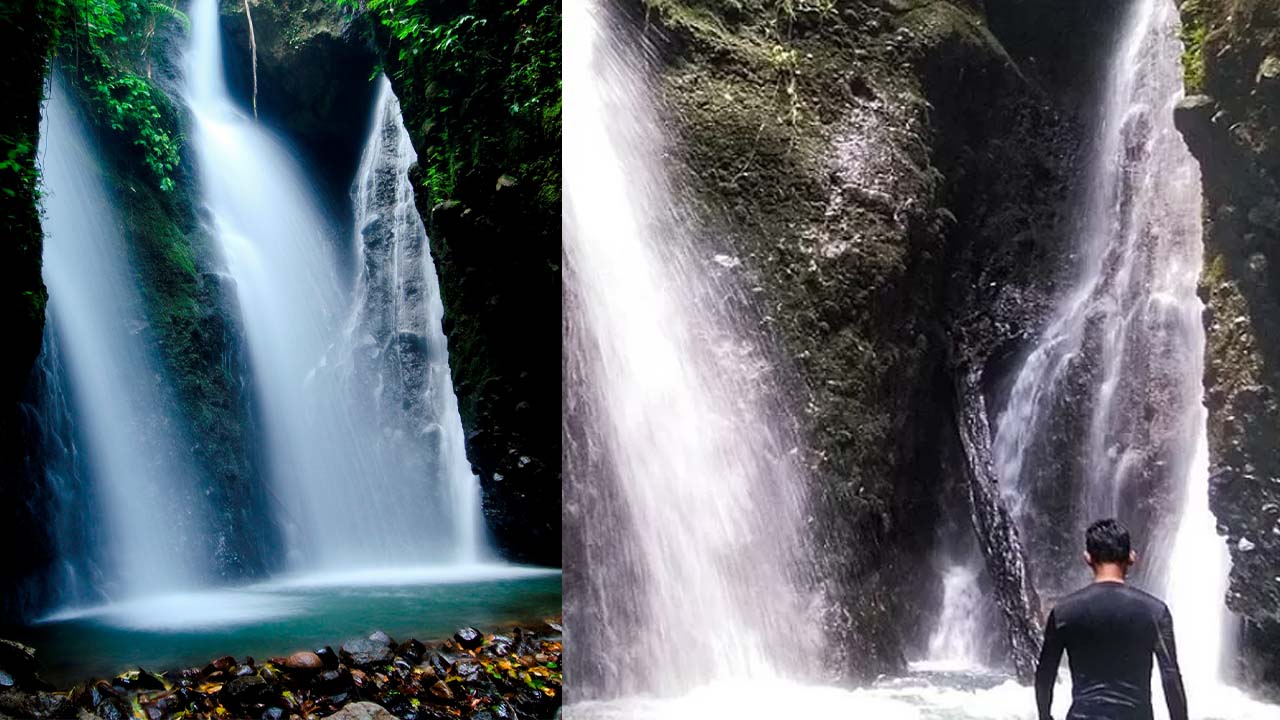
column 26, row 35
column 1232, row 124
column 893, row 179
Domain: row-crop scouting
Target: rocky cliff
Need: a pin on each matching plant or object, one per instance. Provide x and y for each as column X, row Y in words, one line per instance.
column 1231, row 121
column 892, row 180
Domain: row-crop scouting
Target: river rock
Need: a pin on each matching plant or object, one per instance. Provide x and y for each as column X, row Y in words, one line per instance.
column 328, row 657
column 246, row 692
column 441, row 690
column 500, row 645
column 439, row 664
column 139, row 680
column 304, row 663
column 333, row 682
column 112, row 709
column 363, row 711
column 412, row 650
column 469, row 638
column 366, row 652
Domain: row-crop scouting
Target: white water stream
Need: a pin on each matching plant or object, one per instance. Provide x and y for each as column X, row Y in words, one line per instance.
column 146, row 494
column 708, row 496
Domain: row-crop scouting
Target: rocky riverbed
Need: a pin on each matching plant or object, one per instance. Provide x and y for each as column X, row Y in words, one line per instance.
column 510, row 674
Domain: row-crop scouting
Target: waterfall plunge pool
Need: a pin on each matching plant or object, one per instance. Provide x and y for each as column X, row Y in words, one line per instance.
column 286, row 614
column 927, row 692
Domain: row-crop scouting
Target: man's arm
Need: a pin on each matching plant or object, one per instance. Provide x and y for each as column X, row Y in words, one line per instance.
column 1170, row 676
column 1047, row 668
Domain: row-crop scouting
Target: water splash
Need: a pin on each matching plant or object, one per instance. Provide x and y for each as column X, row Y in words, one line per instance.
column 955, row 639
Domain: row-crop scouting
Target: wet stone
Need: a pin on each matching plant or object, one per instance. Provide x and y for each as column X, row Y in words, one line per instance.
column 328, row 657
column 363, row 653
column 469, row 638
column 441, row 690
column 412, row 650
column 363, row 711
column 304, row 662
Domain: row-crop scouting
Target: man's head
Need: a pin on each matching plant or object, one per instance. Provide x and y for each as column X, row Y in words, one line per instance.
column 1106, row 546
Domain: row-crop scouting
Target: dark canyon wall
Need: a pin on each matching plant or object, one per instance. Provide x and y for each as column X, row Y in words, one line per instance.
column 1232, row 123
column 26, row 34
column 893, row 181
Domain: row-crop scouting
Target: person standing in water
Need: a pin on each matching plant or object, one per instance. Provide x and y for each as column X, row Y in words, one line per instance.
column 1111, row 631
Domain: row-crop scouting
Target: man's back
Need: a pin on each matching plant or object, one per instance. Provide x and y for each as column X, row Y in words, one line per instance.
column 1110, row 632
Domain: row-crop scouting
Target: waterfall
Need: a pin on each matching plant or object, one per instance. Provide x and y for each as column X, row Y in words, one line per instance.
column 359, row 483
column 102, row 383
column 954, row 642
column 681, row 480
column 1120, row 363
column 395, row 335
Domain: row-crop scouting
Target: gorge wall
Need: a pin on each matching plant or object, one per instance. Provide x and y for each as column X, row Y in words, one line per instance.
column 1232, row 124
column 889, row 181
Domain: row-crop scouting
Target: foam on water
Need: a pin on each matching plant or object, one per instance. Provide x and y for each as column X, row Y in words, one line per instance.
column 920, row 696
column 420, row 575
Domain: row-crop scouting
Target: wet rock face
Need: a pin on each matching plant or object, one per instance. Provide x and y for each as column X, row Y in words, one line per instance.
column 887, row 185
column 1232, row 125
column 313, row 79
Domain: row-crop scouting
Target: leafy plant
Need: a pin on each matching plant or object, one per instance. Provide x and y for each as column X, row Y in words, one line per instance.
column 129, row 104
column 110, row 43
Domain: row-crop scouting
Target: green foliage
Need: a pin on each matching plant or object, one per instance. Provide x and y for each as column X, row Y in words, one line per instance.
column 128, row 103
column 481, row 85
column 18, row 172
column 1194, row 30
column 109, row 42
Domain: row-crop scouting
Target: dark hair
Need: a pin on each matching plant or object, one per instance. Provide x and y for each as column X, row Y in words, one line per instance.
column 1107, row 541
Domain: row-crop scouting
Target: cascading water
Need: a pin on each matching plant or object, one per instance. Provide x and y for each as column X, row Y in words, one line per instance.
column 1120, row 362
column 954, row 640
column 365, row 460
column 710, row 500
column 1131, row 336
column 145, row 491
column 395, row 335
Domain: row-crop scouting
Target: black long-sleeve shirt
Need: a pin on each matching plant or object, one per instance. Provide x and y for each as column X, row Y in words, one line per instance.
column 1110, row 632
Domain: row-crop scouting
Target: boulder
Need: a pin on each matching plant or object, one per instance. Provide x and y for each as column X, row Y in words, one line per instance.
column 304, row 663
column 363, row 711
